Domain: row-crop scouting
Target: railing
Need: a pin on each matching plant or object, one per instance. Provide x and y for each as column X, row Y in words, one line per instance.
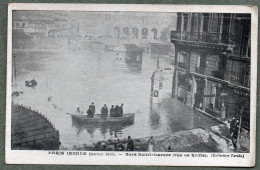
column 234, row 40
column 217, row 74
column 200, row 36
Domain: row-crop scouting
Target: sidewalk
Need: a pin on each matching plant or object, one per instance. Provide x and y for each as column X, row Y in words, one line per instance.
column 244, row 140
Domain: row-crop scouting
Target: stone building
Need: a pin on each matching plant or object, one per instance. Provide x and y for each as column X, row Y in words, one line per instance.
column 212, row 61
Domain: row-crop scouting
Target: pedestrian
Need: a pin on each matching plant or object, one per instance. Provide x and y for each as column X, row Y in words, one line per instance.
column 151, row 143
column 117, row 111
column 223, row 112
column 232, row 125
column 130, row 144
column 112, row 111
column 120, row 110
column 104, row 111
column 235, row 134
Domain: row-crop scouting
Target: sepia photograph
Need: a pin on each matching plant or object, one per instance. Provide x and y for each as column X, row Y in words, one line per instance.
column 132, row 83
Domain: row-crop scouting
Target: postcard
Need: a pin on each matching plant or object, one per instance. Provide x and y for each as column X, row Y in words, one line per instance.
column 127, row 84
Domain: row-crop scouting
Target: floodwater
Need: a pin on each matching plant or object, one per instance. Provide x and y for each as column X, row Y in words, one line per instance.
column 68, row 79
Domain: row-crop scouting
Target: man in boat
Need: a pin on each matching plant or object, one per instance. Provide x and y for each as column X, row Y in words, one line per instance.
column 112, row 111
column 116, row 111
column 89, row 112
column 92, row 109
column 104, row 111
column 130, row 144
column 120, row 110
column 78, row 112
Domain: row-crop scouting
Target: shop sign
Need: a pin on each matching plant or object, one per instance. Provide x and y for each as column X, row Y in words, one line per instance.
column 241, row 92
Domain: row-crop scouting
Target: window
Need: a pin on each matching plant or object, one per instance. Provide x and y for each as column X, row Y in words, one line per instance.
column 179, row 18
column 185, row 24
column 205, row 22
column 215, row 23
column 182, row 57
column 195, row 22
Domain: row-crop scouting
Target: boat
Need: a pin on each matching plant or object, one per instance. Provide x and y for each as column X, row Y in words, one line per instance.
column 127, row 117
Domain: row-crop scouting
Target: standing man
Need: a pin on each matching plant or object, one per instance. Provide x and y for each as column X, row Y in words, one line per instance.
column 116, row 111
column 232, row 125
column 235, row 134
column 120, row 110
column 112, row 111
column 92, row 109
column 130, row 144
column 104, row 111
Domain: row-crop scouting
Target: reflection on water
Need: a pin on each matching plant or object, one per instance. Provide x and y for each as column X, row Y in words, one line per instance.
column 154, row 116
column 112, row 129
column 68, row 79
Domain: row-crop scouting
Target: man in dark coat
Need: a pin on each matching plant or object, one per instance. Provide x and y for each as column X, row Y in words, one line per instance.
column 234, row 134
column 232, row 125
column 120, row 110
column 130, row 144
column 104, row 111
column 92, row 109
column 117, row 111
column 112, row 111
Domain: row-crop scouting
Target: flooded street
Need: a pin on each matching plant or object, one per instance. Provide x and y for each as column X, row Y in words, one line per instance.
column 68, row 79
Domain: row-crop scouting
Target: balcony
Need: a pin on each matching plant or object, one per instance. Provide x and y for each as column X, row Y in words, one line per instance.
column 200, row 37
column 242, row 50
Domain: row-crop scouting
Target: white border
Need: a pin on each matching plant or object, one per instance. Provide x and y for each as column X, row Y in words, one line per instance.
column 42, row 157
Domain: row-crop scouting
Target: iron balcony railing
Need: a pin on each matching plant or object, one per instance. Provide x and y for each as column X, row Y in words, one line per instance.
column 218, row 38
column 200, row 36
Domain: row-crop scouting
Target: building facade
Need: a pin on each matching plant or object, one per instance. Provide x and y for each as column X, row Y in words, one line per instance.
column 212, row 61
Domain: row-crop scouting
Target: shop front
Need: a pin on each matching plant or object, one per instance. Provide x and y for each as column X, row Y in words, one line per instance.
column 239, row 105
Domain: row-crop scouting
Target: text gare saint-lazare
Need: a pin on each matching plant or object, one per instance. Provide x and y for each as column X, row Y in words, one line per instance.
column 145, row 154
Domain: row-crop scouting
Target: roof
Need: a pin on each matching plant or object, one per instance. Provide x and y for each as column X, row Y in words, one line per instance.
column 157, row 75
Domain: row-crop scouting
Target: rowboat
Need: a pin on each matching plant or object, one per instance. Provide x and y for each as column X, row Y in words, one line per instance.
column 127, row 117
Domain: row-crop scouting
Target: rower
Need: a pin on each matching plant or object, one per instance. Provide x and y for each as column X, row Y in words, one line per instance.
column 78, row 112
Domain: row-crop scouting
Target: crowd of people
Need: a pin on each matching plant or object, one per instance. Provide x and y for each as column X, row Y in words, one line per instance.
column 116, row 111
column 118, row 146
